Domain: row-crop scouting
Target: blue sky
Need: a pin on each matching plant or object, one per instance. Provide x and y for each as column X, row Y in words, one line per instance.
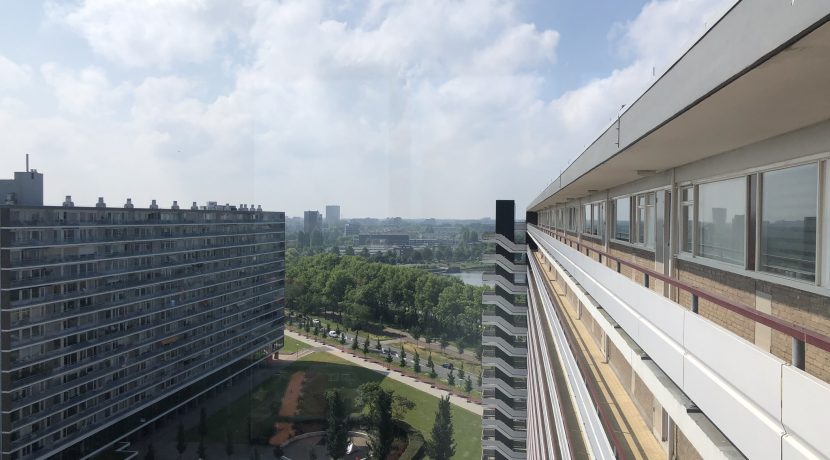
column 387, row 107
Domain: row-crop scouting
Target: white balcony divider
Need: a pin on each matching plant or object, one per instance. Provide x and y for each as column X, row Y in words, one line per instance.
column 766, row 408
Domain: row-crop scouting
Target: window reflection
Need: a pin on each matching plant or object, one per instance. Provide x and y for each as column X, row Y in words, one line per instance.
column 722, row 220
column 788, row 227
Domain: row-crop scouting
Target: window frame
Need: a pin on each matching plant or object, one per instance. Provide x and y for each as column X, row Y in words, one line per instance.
column 615, row 201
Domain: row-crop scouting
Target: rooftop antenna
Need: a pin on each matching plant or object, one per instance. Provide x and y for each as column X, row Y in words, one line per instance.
column 27, row 162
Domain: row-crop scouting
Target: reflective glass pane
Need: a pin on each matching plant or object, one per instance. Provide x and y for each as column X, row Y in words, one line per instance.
column 622, row 224
column 722, row 220
column 687, row 222
column 789, row 207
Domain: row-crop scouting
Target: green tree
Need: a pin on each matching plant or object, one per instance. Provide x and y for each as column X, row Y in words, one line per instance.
column 203, row 426
column 388, row 356
column 430, row 364
column 354, row 343
column 378, row 402
column 366, row 346
column 377, row 344
column 181, row 446
column 432, row 373
column 468, row 384
column 416, row 362
column 228, row 443
column 349, row 251
column 479, row 379
column 451, row 378
column 337, row 436
column 442, row 444
column 200, row 451
column 461, row 370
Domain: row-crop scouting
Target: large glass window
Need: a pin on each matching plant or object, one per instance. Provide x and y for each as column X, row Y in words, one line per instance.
column 622, row 219
column 722, row 220
column 645, row 217
column 789, row 210
column 586, row 222
column 687, row 216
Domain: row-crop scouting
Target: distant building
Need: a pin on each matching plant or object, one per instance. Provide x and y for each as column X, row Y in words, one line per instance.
column 352, row 228
column 388, row 239
column 115, row 317
column 332, row 214
column 311, row 221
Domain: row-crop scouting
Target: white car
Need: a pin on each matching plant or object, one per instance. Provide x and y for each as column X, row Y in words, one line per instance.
column 334, row 334
column 315, row 322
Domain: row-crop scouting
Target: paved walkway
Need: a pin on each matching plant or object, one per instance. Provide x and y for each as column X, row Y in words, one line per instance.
column 425, row 387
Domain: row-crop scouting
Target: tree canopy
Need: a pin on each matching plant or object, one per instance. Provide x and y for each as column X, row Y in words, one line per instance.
column 363, row 291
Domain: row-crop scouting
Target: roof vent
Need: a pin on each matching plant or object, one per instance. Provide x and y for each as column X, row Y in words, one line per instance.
column 153, row 205
column 175, row 205
column 10, row 199
column 100, row 203
column 129, row 204
column 67, row 203
column 194, row 207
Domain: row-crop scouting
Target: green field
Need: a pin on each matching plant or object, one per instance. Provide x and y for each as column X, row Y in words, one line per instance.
column 292, row 345
column 324, row 372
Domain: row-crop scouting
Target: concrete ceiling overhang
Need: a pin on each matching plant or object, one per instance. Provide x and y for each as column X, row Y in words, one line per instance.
column 788, row 91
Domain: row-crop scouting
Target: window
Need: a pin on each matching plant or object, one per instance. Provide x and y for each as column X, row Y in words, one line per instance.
column 586, row 219
column 622, row 220
column 687, row 218
column 644, row 222
column 722, row 220
column 789, row 211
column 594, row 221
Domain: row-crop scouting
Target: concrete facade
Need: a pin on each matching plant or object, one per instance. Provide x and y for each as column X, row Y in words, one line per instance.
column 113, row 317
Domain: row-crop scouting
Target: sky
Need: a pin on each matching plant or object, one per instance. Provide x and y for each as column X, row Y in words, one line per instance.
column 388, row 108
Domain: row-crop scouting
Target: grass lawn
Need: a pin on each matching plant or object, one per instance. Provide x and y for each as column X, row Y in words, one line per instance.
column 325, row 371
column 439, row 358
column 292, row 345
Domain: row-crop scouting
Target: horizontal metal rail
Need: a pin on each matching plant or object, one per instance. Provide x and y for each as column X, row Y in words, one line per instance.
column 563, row 336
column 799, row 334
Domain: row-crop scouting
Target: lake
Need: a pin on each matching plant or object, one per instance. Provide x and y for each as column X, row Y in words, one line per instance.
column 471, row 278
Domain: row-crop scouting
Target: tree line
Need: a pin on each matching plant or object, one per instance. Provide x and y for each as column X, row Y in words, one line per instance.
column 360, row 291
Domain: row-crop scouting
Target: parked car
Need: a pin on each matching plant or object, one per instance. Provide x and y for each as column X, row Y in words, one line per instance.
column 315, row 322
column 447, row 365
column 334, row 334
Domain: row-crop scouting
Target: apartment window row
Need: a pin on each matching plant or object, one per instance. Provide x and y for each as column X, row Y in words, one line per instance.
column 767, row 221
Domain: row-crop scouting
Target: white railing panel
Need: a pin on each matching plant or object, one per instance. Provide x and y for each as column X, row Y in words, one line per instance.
column 806, row 402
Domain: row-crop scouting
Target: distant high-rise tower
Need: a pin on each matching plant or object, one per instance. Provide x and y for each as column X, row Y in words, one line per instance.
column 311, row 221
column 332, row 214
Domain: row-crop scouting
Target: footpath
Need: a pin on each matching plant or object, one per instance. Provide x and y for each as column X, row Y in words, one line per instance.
column 425, row 387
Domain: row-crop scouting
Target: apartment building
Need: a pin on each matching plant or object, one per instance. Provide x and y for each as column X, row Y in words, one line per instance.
column 679, row 269
column 504, row 384
column 113, row 317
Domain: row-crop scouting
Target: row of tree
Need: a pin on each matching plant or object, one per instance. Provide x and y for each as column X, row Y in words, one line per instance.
column 382, row 409
column 359, row 291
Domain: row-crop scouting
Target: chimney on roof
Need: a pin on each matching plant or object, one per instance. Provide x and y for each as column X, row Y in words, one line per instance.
column 67, row 203
column 153, row 205
column 175, row 205
column 27, row 162
column 129, row 204
column 194, row 207
column 100, row 203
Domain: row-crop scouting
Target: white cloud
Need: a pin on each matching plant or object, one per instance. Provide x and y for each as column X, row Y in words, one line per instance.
column 151, row 33
column 12, row 75
column 389, row 107
column 87, row 92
